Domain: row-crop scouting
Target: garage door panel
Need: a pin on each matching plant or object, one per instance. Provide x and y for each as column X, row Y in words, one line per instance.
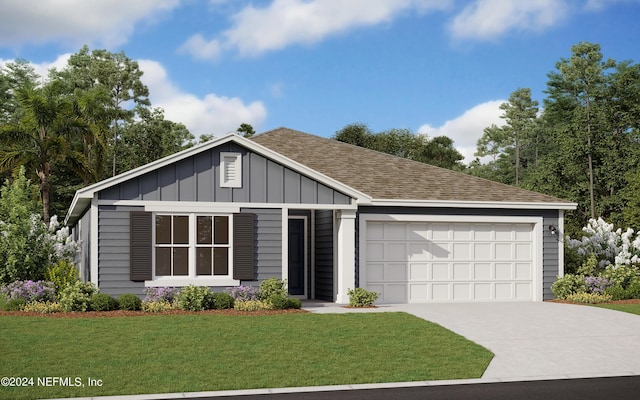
column 439, row 262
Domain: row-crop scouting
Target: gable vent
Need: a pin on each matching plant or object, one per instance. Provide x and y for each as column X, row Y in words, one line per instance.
column 230, row 170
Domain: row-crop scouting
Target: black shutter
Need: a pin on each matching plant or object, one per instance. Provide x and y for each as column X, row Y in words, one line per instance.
column 141, row 246
column 244, row 246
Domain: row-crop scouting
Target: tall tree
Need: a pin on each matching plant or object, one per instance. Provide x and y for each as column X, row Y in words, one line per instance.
column 246, row 130
column 39, row 140
column 116, row 75
column 579, row 83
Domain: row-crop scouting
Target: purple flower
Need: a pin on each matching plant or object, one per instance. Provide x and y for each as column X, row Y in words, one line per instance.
column 244, row 293
column 30, row 291
column 597, row 284
column 155, row 294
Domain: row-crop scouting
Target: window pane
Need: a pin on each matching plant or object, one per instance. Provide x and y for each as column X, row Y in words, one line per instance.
column 180, row 229
column 221, row 261
column 203, row 261
column 222, row 230
column 180, row 261
column 204, row 230
column 163, row 229
column 163, row 261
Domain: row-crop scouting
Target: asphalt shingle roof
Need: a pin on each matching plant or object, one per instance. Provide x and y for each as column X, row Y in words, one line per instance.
column 385, row 177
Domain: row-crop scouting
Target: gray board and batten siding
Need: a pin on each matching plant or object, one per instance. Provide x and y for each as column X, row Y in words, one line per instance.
column 197, row 178
column 550, row 245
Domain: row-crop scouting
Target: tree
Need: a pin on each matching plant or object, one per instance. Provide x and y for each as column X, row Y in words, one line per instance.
column 357, row 134
column 152, row 138
column 246, row 129
column 579, row 85
column 111, row 74
column 520, row 113
column 39, row 140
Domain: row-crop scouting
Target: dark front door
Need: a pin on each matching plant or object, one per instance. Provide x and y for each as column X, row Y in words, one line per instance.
column 296, row 256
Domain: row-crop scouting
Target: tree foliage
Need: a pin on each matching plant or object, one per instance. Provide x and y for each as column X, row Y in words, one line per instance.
column 438, row 151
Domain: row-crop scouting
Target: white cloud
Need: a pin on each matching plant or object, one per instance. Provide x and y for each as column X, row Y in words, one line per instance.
column 488, row 19
column 211, row 114
column 466, row 129
column 286, row 22
column 107, row 22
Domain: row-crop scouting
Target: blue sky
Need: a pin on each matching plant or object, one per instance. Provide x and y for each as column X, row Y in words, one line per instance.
column 432, row 66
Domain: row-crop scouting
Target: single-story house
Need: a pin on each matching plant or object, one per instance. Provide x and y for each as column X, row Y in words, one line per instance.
column 324, row 215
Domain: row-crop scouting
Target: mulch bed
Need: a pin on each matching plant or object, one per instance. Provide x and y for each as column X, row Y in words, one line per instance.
column 122, row 313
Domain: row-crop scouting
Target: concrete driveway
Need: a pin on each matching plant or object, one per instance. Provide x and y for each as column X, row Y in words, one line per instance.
column 537, row 340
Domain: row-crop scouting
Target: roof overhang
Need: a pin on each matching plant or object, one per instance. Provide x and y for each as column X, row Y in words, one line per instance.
column 82, row 198
column 471, row 204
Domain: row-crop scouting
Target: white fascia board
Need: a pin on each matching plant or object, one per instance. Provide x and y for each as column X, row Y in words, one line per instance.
column 472, row 204
column 201, row 206
column 89, row 191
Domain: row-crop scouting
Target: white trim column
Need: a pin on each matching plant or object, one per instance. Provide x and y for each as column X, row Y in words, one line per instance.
column 346, row 266
column 93, row 240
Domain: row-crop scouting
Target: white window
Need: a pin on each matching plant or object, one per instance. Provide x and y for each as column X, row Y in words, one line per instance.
column 230, row 170
column 195, row 246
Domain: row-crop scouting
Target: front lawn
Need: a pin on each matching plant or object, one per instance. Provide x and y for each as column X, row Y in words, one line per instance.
column 187, row 353
column 633, row 308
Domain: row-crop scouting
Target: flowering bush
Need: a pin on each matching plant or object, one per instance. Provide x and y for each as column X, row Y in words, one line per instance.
column 244, row 293
column 597, row 284
column 195, row 298
column 30, row 291
column 63, row 273
column 568, row 285
column 154, row 294
column 43, row 307
column 77, row 296
column 158, row 306
column 601, row 240
column 590, row 298
column 273, row 287
column 251, row 305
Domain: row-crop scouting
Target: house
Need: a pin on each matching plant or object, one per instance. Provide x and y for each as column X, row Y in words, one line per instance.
column 325, row 215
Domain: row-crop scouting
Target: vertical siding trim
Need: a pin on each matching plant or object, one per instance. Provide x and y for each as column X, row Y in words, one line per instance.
column 141, row 246
column 244, row 246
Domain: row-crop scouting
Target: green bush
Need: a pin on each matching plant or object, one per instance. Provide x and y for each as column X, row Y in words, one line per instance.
column 77, row 296
column 158, row 306
column 194, row 298
column 221, row 301
column 589, row 267
column 294, row 303
column 616, row 293
column 278, row 302
column 15, row 304
column 589, row 298
column 273, row 287
column 103, row 302
column 62, row 274
column 360, row 297
column 251, row 305
column 43, row 307
column 129, row 302
column 633, row 290
column 568, row 285
column 621, row 275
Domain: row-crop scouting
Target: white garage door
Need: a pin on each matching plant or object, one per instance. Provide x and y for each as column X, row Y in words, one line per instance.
column 438, row 261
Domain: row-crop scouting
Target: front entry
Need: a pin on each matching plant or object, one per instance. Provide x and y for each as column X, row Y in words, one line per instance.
column 297, row 256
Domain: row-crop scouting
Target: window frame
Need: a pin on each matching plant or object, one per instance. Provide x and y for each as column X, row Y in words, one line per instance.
column 192, row 277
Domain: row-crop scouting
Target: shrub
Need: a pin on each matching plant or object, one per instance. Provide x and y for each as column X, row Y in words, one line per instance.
column 590, row 298
column 633, row 290
column 273, row 287
column 596, row 284
column 251, row 305
column 29, row 291
column 103, row 302
column 589, row 267
column 63, row 273
column 129, row 302
column 567, row 285
column 221, row 301
column 621, row 275
column 154, row 294
column 294, row 303
column 15, row 304
column 360, row 297
column 194, row 298
column 278, row 302
column 157, row 306
column 77, row 296
column 616, row 293
column 244, row 293
column 43, row 307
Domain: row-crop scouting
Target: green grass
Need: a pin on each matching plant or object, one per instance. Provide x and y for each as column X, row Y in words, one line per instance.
column 186, row 353
column 629, row 308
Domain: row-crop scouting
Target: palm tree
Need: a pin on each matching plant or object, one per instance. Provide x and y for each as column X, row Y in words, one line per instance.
column 40, row 139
